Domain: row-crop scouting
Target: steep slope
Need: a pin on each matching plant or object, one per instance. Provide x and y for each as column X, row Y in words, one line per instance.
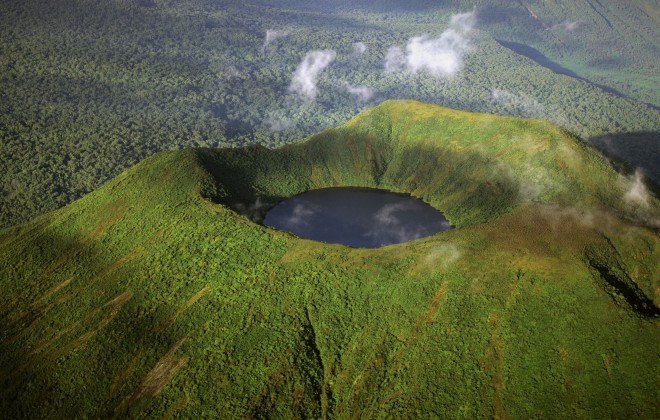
column 152, row 297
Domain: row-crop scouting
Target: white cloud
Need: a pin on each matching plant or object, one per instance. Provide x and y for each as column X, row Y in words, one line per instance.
column 442, row 56
column 361, row 93
column 306, row 75
column 272, row 35
column 359, row 48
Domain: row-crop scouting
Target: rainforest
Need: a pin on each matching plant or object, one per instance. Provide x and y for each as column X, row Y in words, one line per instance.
column 145, row 144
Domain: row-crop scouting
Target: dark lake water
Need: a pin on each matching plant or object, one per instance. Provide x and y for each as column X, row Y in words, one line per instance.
column 358, row 217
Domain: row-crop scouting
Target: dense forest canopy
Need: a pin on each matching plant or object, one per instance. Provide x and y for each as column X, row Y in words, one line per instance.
column 89, row 88
column 152, row 298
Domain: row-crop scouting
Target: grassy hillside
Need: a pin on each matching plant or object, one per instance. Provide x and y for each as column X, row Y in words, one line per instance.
column 88, row 88
column 152, row 297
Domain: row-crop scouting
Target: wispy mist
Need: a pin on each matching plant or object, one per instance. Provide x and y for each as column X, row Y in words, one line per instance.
column 359, row 48
column 442, row 56
column 523, row 105
column 442, row 255
column 567, row 25
column 253, row 211
column 560, row 217
column 271, row 36
column 537, row 182
column 306, row 75
column 232, row 72
column 361, row 93
column 637, row 192
column 277, row 122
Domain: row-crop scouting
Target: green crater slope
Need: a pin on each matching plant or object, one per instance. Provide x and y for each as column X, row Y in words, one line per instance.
column 159, row 295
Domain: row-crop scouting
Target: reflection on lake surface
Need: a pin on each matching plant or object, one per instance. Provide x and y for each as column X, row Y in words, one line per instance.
column 358, row 217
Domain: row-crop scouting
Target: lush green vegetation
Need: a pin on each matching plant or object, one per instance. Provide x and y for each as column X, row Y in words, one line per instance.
column 89, row 88
column 151, row 297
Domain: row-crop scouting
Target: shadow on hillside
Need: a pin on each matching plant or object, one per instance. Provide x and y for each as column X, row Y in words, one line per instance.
column 485, row 188
column 629, row 151
column 615, row 280
column 542, row 60
column 538, row 57
column 68, row 301
column 510, row 14
column 235, row 172
column 468, row 187
column 25, row 320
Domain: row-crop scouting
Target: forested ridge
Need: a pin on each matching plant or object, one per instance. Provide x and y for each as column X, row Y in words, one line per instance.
column 89, row 88
column 151, row 298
